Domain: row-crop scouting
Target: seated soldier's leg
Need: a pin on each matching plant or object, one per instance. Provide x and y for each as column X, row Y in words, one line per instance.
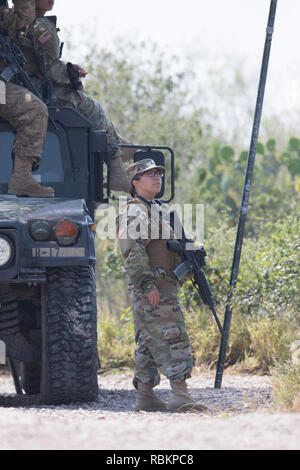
column 94, row 112
column 28, row 115
column 124, row 153
column 83, row 103
column 96, row 115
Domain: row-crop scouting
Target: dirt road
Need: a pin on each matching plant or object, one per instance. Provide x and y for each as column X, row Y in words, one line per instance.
column 239, row 418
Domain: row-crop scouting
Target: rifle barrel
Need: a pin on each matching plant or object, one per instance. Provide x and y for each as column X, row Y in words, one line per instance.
column 217, row 319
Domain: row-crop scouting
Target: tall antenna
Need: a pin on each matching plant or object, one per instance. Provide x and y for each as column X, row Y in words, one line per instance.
column 246, row 194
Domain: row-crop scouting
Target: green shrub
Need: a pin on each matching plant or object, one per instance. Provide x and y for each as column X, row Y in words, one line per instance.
column 265, row 304
column 285, row 379
column 270, row 340
column 116, row 340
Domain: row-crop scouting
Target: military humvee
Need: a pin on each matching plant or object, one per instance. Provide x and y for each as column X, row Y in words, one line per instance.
column 48, row 313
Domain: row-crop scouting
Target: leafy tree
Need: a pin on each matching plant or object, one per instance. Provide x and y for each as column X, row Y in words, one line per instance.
column 150, row 101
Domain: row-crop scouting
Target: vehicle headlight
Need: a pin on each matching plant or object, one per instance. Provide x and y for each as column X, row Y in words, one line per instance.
column 5, row 251
column 66, row 232
column 40, row 230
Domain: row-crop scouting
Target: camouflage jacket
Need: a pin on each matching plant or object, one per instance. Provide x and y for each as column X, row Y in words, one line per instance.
column 41, row 47
column 14, row 19
column 137, row 226
column 17, row 18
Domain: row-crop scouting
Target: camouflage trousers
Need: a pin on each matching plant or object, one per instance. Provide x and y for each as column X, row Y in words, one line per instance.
column 162, row 342
column 90, row 109
column 94, row 112
column 79, row 100
column 84, row 103
column 28, row 116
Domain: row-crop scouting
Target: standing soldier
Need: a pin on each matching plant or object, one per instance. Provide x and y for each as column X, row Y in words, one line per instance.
column 42, row 49
column 162, row 341
column 26, row 113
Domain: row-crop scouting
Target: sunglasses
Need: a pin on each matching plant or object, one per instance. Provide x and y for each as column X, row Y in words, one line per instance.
column 151, row 174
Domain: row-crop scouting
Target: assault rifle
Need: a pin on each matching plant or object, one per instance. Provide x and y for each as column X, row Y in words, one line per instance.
column 14, row 72
column 193, row 262
column 14, row 60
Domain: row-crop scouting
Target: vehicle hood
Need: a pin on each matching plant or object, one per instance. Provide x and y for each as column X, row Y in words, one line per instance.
column 13, row 208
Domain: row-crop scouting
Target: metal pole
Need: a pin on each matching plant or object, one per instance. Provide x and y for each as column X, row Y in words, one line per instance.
column 15, row 375
column 246, row 194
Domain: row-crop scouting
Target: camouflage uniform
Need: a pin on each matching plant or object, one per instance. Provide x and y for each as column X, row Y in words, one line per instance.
column 19, row 17
column 41, row 46
column 25, row 112
column 162, row 343
column 42, row 49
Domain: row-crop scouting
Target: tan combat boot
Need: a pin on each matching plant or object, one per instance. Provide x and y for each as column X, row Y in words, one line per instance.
column 23, row 184
column 118, row 177
column 146, row 400
column 181, row 400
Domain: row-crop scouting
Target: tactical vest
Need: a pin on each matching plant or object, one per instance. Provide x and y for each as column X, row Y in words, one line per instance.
column 157, row 250
column 32, row 66
column 161, row 257
column 41, row 38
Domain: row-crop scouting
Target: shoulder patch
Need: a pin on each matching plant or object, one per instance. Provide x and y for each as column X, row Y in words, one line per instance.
column 43, row 38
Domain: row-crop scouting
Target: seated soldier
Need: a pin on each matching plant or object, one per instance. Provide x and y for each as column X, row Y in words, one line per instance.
column 41, row 47
column 26, row 113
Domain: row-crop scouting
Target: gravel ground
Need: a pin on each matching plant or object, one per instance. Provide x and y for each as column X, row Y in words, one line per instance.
column 239, row 417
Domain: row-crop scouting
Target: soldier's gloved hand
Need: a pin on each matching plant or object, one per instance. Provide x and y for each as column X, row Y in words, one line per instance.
column 154, row 297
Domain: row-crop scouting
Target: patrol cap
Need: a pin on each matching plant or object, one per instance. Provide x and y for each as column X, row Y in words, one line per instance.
column 142, row 166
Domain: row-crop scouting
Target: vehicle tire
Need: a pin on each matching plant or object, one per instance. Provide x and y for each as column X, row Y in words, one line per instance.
column 69, row 335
